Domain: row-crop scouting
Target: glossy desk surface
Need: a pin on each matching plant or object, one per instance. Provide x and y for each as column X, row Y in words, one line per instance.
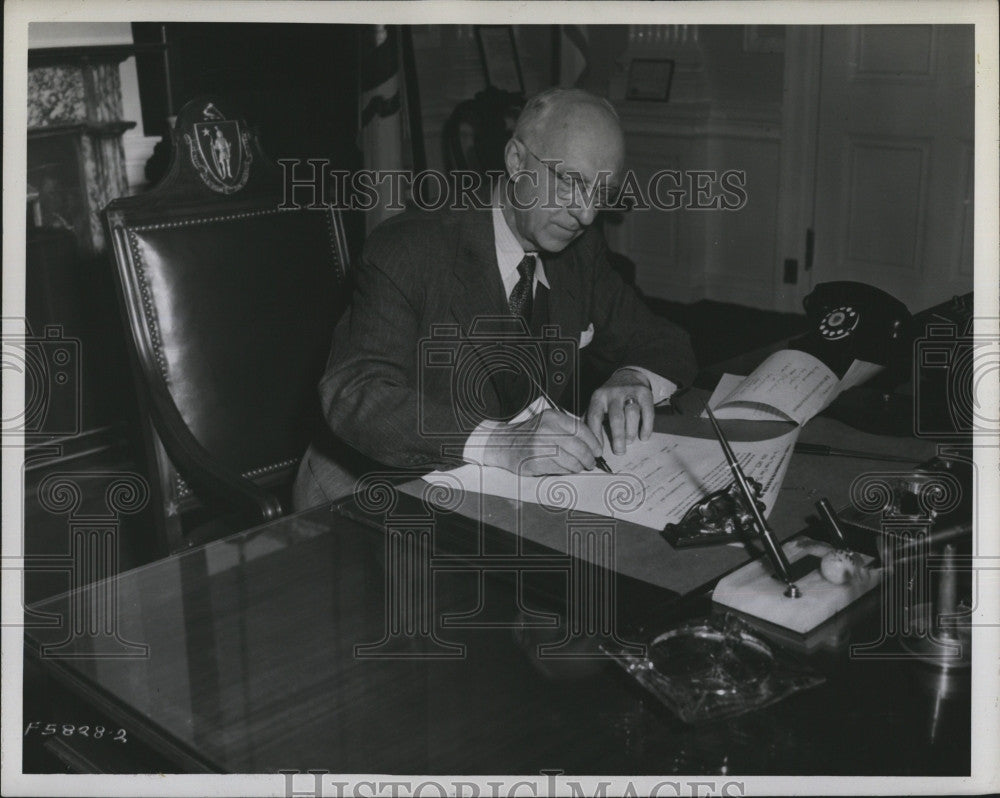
column 252, row 667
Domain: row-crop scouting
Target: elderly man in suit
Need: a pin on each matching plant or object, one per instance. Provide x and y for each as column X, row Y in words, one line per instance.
column 425, row 374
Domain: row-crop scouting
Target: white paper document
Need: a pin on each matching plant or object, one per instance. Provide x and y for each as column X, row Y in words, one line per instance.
column 654, row 483
column 789, row 386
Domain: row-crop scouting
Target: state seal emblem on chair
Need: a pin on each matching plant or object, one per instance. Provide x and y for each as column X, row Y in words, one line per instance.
column 220, row 150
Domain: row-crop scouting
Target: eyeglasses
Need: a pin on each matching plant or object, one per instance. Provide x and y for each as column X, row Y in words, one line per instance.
column 570, row 186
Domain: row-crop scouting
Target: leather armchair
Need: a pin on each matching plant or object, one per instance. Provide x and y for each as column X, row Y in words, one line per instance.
column 477, row 130
column 230, row 297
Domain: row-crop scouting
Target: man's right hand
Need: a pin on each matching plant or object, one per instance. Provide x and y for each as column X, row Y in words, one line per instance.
column 550, row 442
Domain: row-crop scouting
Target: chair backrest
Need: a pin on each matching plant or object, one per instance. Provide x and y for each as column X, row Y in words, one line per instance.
column 477, row 130
column 230, row 300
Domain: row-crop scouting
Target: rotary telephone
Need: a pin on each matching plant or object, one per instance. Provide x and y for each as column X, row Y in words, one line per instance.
column 851, row 321
column 855, row 321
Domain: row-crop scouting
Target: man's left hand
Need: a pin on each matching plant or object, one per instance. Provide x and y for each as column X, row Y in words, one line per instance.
column 627, row 400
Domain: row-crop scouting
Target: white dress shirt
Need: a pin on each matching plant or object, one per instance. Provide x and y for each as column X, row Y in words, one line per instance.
column 509, row 254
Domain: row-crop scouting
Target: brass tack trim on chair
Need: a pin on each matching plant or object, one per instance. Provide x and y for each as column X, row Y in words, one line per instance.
column 267, row 469
column 332, row 233
column 206, row 219
column 182, row 490
column 147, row 302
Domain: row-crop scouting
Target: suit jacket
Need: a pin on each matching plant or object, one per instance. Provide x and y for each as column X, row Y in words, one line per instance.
column 412, row 369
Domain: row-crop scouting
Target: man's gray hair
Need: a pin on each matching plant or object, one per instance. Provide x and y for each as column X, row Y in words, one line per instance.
column 539, row 108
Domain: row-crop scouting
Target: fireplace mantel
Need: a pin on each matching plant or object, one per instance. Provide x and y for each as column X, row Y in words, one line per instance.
column 52, row 56
column 76, row 161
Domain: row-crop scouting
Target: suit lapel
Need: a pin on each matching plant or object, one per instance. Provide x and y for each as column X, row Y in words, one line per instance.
column 564, row 312
column 564, row 306
column 477, row 277
column 479, row 290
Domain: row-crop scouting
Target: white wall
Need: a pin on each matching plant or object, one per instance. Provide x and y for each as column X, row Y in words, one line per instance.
column 724, row 113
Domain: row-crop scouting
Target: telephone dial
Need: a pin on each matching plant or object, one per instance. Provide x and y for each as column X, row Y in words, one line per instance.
column 854, row 321
column 851, row 321
column 839, row 323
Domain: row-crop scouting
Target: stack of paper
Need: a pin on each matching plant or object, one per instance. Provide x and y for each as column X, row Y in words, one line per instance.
column 789, row 386
column 653, row 484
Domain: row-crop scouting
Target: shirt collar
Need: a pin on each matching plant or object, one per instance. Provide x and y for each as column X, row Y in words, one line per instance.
column 510, row 252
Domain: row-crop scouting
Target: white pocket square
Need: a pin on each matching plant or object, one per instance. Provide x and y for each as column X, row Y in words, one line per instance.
column 587, row 336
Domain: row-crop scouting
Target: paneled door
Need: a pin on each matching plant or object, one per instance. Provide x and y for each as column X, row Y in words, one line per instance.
column 894, row 160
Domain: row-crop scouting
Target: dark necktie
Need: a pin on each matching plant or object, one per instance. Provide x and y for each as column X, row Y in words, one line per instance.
column 520, row 297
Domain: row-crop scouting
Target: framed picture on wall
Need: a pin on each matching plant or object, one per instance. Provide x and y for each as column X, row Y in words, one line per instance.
column 649, row 79
column 498, row 52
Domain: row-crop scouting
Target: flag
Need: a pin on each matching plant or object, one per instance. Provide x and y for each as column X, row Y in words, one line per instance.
column 574, row 66
column 380, row 116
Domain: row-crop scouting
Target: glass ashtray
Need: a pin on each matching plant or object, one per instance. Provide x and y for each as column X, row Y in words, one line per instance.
column 711, row 660
column 714, row 668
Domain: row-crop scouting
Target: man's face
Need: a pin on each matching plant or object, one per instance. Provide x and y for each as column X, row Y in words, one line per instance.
column 559, row 177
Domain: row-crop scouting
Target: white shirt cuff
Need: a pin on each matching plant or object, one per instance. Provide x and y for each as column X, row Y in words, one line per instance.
column 662, row 388
column 475, row 446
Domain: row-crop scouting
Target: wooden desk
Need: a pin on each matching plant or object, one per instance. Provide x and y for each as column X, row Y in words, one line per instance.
column 252, row 666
